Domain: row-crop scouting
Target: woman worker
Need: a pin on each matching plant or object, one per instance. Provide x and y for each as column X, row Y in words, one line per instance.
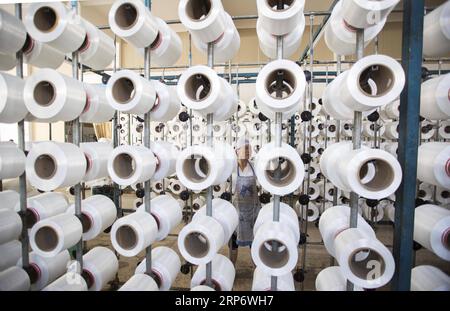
column 246, row 198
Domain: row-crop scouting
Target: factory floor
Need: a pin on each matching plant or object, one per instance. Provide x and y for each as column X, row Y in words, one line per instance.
column 317, row 257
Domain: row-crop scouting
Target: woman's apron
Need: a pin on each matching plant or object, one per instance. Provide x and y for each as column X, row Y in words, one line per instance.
column 247, row 203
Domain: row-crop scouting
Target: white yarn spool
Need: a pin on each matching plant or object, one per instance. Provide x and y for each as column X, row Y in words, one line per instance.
column 51, row 236
column 199, row 167
column 375, row 270
column 131, row 164
column 12, row 33
column 292, row 170
column 313, row 191
column 392, row 148
column 141, row 283
column 436, row 32
column 98, row 213
column 204, row 20
column 218, row 190
column 390, row 111
column 10, row 225
column 262, row 281
column 42, row 55
column 200, row 240
column 166, row 155
column 198, row 203
column 223, row 274
column 69, row 282
column 313, row 150
column 391, row 130
column 334, row 106
column 97, row 50
column 242, row 109
column 341, row 39
column 97, row 155
column 167, row 47
column 219, row 129
column 434, row 99
column 44, row 206
column 288, row 217
column 386, row 73
column 429, row 278
column 291, row 41
column 444, row 130
column 425, row 192
column 55, row 24
column 442, row 195
column 167, row 104
column 165, row 266
column 311, row 129
column 273, row 262
column 346, row 129
column 201, row 89
column 312, row 213
column 132, row 21
column 51, row 96
column 97, row 108
column 12, row 106
column 133, row 233
column 366, row 13
column 333, row 221
column 427, row 130
column 130, row 93
column 238, row 130
column 294, row 82
column 369, row 129
column 14, row 279
column 226, row 46
column 432, row 229
column 253, row 107
column 12, row 161
column 225, row 213
column 10, row 253
column 433, row 164
column 330, row 130
column 47, row 269
column 167, row 213
column 100, row 264
column 372, row 173
column 176, row 187
column 7, row 61
column 328, row 192
column 52, row 165
column 280, row 21
column 331, row 280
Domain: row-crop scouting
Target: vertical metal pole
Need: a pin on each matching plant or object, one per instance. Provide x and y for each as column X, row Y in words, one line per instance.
column 22, row 178
column 308, row 175
column 278, row 143
column 76, row 139
column 408, row 143
column 356, row 138
column 115, row 138
column 146, row 138
column 210, row 143
column 338, row 127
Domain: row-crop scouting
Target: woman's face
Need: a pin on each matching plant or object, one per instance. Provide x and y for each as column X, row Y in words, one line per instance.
column 244, row 153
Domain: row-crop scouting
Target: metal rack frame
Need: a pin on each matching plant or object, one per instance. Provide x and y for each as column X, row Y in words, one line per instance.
column 413, row 12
